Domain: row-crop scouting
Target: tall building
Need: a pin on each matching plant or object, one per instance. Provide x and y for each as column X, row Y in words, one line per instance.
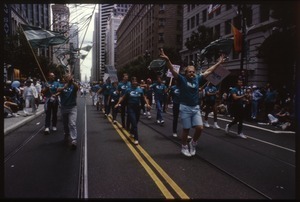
column 31, row 14
column 111, row 38
column 101, row 21
column 145, row 28
column 60, row 23
column 75, row 61
column 259, row 27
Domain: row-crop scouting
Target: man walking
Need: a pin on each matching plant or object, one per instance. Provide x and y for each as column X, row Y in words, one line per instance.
column 189, row 101
column 68, row 95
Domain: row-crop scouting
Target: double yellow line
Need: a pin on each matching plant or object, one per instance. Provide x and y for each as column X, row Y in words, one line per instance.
column 156, row 179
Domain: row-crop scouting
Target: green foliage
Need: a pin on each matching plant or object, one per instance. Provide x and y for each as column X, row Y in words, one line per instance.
column 200, row 39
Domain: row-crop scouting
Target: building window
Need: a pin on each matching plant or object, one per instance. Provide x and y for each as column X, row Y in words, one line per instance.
column 218, row 11
column 192, row 22
column 227, row 27
column 179, row 25
column 217, row 31
column 204, row 15
column 264, row 13
column 160, row 37
column 197, row 19
column 249, row 17
column 237, row 22
column 228, row 6
column 161, row 8
column 188, row 24
column 161, row 22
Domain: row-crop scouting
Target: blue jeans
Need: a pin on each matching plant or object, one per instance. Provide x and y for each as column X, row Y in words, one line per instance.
column 159, row 109
column 69, row 116
column 51, row 111
column 133, row 111
column 106, row 105
column 175, row 116
column 254, row 108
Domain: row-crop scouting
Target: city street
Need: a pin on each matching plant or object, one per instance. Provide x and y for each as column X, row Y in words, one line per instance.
column 107, row 165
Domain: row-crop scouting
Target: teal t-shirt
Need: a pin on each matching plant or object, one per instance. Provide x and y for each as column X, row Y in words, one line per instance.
column 189, row 89
column 52, row 88
column 159, row 90
column 175, row 94
column 123, row 86
column 68, row 97
column 134, row 95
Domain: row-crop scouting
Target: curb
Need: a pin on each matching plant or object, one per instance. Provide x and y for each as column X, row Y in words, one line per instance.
column 21, row 123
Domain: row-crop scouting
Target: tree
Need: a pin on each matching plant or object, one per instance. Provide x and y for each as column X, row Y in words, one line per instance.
column 200, row 39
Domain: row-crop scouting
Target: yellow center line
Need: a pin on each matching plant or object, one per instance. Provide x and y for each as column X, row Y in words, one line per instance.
column 157, row 181
column 167, row 178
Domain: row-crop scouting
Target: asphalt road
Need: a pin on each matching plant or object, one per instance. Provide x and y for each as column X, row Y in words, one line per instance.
column 107, row 165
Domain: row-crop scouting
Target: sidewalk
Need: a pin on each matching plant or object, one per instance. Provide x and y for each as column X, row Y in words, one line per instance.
column 12, row 123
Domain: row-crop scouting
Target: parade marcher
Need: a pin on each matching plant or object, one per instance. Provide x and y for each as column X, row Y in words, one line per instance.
column 122, row 87
column 211, row 92
column 143, row 86
column 30, row 94
column 68, row 96
column 238, row 108
column 189, row 101
column 174, row 94
column 133, row 95
column 51, row 102
column 113, row 98
column 159, row 90
column 105, row 91
column 149, row 96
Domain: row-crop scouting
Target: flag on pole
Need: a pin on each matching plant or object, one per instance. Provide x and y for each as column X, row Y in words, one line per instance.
column 39, row 37
column 237, row 39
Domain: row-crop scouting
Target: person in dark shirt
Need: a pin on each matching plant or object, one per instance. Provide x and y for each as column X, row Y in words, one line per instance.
column 133, row 95
column 238, row 108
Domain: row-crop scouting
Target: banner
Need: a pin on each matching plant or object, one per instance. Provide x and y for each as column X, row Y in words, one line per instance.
column 217, row 75
column 237, row 39
column 39, row 37
column 213, row 8
column 176, row 68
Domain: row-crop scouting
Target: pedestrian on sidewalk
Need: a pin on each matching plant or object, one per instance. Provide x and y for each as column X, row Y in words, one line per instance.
column 30, row 94
column 189, row 101
column 238, row 108
column 133, row 95
column 10, row 108
column 68, row 96
column 211, row 92
column 51, row 102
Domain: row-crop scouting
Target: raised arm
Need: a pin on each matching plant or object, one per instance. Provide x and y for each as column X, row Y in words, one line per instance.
column 168, row 63
column 212, row 68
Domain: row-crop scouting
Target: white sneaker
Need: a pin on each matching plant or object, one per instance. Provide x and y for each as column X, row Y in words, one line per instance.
column 227, row 129
column 74, row 144
column 15, row 115
column 115, row 121
column 136, row 142
column 185, row 150
column 242, row 135
column 206, row 124
column 192, row 147
column 216, row 126
column 174, row 134
column 54, row 128
column 47, row 131
column 162, row 121
column 144, row 113
column 158, row 121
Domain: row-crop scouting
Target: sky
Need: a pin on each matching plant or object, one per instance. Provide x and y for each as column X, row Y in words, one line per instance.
column 80, row 14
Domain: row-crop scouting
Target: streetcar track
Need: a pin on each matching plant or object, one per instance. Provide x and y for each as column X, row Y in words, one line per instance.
column 22, row 145
column 210, row 163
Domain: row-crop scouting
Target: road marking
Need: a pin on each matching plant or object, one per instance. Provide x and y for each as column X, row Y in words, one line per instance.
column 85, row 156
column 155, row 178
